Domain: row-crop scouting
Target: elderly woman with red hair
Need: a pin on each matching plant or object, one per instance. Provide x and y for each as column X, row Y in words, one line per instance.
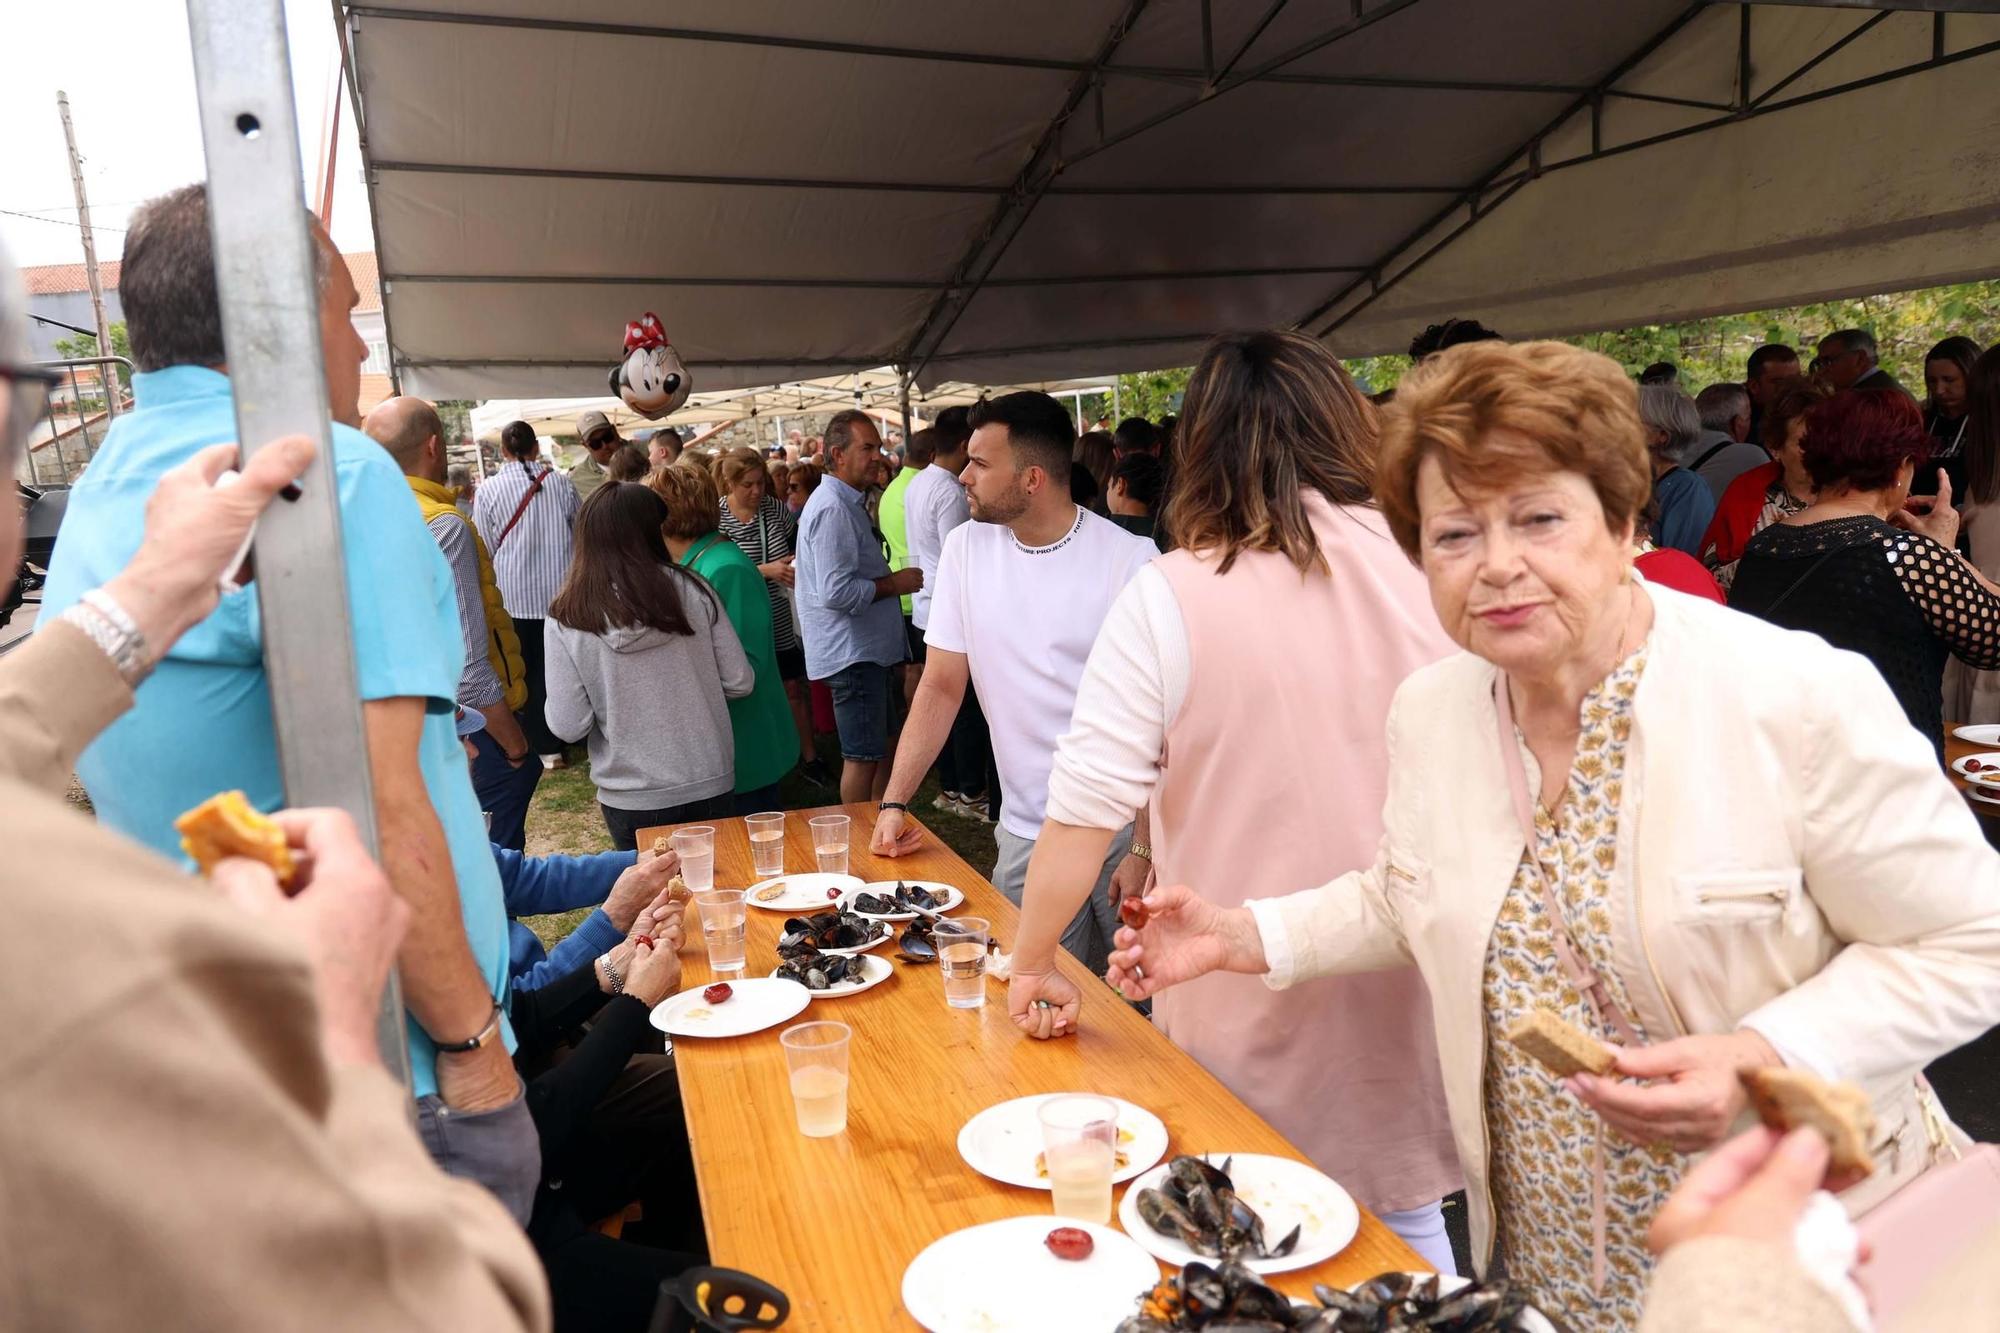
column 1707, row 840
column 1865, row 572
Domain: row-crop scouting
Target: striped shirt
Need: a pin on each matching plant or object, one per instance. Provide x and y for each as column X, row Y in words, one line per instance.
column 766, row 538
column 529, row 566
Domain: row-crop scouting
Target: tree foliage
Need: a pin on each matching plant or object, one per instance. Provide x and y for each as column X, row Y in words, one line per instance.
column 80, row 345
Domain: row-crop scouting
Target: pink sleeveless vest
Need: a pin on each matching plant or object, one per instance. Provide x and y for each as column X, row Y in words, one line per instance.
column 1273, row 780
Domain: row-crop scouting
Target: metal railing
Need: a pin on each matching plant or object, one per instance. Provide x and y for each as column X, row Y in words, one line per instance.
column 71, row 430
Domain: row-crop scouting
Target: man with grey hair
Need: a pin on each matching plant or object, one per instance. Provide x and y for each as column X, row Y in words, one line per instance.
column 850, row 618
column 1722, row 454
column 494, row 682
column 1847, row 360
column 203, row 723
column 1682, row 505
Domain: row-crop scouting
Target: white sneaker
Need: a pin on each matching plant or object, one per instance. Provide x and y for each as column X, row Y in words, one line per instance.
column 948, row 801
column 974, row 810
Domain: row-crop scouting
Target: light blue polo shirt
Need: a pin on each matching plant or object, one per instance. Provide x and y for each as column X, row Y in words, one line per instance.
column 202, row 722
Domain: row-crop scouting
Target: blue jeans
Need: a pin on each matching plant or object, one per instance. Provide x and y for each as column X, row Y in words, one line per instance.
column 861, row 710
column 504, row 790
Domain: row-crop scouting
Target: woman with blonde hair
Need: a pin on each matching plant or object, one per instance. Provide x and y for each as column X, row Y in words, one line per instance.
column 752, row 514
column 1222, row 736
column 766, row 745
column 1598, row 810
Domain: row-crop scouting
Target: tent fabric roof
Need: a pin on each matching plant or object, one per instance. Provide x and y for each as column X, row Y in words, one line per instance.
column 979, row 192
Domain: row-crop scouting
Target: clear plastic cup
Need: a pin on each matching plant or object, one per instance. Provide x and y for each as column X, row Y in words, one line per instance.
column 724, row 921
column 1080, row 1148
column 696, row 846
column 961, row 952
column 816, row 1058
column 830, row 835
column 767, row 844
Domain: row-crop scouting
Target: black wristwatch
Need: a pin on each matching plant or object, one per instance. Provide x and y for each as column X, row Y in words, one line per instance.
column 893, row 805
column 486, row 1035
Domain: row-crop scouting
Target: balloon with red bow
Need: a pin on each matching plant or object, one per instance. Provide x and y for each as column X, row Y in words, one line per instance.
column 651, row 378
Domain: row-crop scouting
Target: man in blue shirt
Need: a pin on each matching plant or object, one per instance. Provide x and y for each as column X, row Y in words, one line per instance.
column 202, row 722
column 849, row 604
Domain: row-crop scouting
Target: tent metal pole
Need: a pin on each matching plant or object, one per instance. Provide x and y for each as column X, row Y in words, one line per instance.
column 903, row 398
column 264, row 272
column 854, row 284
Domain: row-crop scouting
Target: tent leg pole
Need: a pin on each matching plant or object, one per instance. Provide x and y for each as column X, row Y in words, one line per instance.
column 903, row 397
column 270, row 309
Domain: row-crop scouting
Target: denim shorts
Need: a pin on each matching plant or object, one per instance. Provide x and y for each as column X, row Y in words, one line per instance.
column 861, row 710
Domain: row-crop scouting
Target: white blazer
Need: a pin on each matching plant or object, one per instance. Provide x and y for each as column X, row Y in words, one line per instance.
column 1791, row 859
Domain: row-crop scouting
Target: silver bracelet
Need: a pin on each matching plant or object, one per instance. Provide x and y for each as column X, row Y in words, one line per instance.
column 611, row 971
column 113, row 630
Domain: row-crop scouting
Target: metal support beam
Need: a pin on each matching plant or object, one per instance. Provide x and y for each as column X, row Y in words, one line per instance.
column 1743, row 57
column 270, row 322
column 851, row 284
column 1006, row 221
column 349, row 34
column 1207, row 58
column 1485, row 183
column 1255, row 32
column 1834, row 48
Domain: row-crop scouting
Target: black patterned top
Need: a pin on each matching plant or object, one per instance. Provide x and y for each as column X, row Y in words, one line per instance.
column 1899, row 599
column 767, row 537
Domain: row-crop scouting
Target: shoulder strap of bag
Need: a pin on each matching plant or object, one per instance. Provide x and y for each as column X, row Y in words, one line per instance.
column 521, row 509
column 1588, row 984
column 1800, row 581
column 1713, row 450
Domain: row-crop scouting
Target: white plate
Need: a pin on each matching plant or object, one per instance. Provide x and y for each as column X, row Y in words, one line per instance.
column 1989, row 763
column 1285, row 1194
column 1986, row 734
column 755, row 1003
column 1983, row 796
column 874, row 971
column 999, row 1277
column 802, row 893
column 886, row 888
column 1004, row 1140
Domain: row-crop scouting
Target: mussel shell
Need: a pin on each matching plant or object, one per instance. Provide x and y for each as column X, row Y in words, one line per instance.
column 870, row 902
column 1203, row 1294
column 917, row 944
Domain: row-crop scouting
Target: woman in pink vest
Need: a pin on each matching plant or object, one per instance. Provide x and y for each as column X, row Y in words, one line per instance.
column 1235, row 699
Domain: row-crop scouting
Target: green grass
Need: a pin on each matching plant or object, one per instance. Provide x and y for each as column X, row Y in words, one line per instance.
column 564, row 818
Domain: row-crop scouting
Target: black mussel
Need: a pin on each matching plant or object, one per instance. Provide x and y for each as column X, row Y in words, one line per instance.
column 1203, row 1295
column 1388, row 1288
column 918, row 896
column 1188, row 1170
column 1245, row 1227
column 1160, row 1212
column 876, row 904
column 917, row 944
column 1248, row 1298
column 1343, row 1302
column 1286, row 1244
column 798, row 925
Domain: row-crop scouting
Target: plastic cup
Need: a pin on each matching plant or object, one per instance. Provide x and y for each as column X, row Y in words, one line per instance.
column 724, row 921
column 816, row 1058
column 696, row 846
column 1080, row 1147
column 830, row 836
column 767, row 844
column 961, row 951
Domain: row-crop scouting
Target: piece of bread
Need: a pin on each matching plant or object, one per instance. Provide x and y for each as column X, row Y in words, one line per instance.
column 1562, row 1047
column 227, row 825
column 662, row 843
column 1787, row 1098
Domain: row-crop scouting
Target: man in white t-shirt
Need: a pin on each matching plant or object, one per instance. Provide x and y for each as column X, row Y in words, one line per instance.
column 1019, row 596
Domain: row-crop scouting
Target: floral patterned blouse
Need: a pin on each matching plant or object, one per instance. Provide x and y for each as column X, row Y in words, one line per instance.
column 1541, row 1138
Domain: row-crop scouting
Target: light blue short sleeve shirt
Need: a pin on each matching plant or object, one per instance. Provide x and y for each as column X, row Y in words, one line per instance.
column 202, row 721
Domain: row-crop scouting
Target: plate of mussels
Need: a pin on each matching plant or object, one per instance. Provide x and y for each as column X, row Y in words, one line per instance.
column 1202, row 1296
column 830, row 975
column 1270, row 1214
column 833, row 931
column 806, row 892
column 904, row 899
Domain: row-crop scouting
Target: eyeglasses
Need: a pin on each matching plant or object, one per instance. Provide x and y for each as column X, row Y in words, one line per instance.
column 1820, row 363
column 28, row 400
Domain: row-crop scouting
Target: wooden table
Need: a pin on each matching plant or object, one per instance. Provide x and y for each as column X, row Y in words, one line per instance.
column 834, row 1222
column 1955, row 750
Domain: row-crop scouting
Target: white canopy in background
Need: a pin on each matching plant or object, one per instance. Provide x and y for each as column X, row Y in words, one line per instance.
column 977, row 191
column 877, row 391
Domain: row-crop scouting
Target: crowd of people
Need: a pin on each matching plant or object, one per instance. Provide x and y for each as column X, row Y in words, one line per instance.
column 1403, row 717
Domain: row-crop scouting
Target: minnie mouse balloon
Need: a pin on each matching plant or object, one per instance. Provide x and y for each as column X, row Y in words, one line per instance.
column 651, row 378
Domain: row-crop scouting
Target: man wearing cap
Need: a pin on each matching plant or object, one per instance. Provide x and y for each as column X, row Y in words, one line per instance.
column 600, row 442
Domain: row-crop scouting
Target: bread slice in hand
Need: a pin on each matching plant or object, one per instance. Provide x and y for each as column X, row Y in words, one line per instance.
column 1787, row 1098
column 1561, row 1046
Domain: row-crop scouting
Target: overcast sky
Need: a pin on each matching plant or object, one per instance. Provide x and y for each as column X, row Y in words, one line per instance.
column 130, row 78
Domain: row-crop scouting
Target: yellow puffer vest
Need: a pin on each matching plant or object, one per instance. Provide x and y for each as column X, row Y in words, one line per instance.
column 503, row 646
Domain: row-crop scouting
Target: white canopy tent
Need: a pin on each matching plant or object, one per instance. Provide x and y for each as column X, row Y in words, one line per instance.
column 974, row 192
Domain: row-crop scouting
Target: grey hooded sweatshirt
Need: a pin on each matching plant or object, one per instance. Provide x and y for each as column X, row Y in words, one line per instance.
column 654, row 705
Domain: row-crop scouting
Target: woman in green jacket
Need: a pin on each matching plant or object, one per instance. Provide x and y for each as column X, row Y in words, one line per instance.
column 767, row 744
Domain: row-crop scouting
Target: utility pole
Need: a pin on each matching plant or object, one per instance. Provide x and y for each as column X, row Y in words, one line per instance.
column 107, row 375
